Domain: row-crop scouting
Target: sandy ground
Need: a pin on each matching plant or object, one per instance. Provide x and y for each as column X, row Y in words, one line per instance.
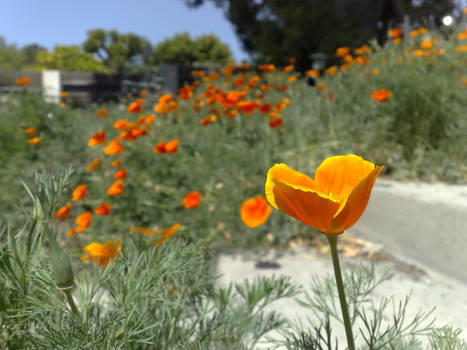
column 431, row 284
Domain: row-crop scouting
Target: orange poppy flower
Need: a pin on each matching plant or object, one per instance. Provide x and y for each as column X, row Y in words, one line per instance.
column 63, row 94
column 122, row 124
column 103, row 209
column 381, row 95
column 292, row 79
column 64, row 211
column 275, row 123
column 120, row 174
column 255, row 211
column 34, row 140
column 265, row 108
column 426, row 45
column 283, row 87
column 79, row 192
column 342, row 51
column 113, row 148
column 116, row 188
column 102, row 253
column 135, row 107
column 312, row 73
column 116, row 163
column 97, row 139
column 331, row 203
column 167, row 233
column 143, row 93
column 95, row 163
column 191, row 199
column 30, row 131
column 247, row 106
column 23, row 81
column 331, row 70
column 288, row 68
column 83, row 221
column 205, row 121
column 395, row 32
column 151, row 118
column 101, row 113
column 169, row 147
column 267, row 68
column 172, row 146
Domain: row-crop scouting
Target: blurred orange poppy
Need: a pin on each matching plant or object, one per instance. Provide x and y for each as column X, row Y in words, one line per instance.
column 331, row 203
column 312, row 73
column 169, row 147
column 135, row 107
column 255, row 211
column 267, row 68
column 103, row 209
column 83, row 221
column 191, row 199
column 113, row 148
column 79, row 192
column 275, row 123
column 34, row 140
column 23, row 81
column 30, row 131
column 116, row 163
column 395, row 32
column 381, row 95
column 121, row 124
column 95, row 163
column 101, row 113
column 247, row 106
column 116, row 188
column 102, row 253
column 167, row 233
column 64, row 211
column 97, row 139
column 120, row 174
column 342, row 51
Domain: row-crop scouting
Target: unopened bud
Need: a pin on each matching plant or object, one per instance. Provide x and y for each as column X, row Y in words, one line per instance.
column 61, row 268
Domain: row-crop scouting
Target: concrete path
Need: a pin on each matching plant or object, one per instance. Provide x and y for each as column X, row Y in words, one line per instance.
column 419, row 231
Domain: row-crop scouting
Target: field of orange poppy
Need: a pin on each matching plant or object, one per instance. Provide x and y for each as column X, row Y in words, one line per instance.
column 153, row 156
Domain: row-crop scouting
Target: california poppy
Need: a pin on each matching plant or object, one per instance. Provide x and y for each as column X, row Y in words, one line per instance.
column 169, row 147
column 101, row 113
column 247, row 106
column 191, row 199
column 122, row 124
column 101, row 253
column 381, row 95
column 97, row 139
column 135, row 107
column 120, row 174
column 116, row 163
column 64, row 211
column 113, row 147
column 30, row 131
column 83, row 221
column 274, row 123
column 342, row 51
column 103, row 209
column 34, row 140
column 395, row 32
column 79, row 192
column 23, row 81
column 255, row 211
column 331, row 203
column 116, row 188
column 167, row 233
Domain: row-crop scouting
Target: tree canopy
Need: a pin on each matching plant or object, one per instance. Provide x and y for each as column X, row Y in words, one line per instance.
column 182, row 50
column 69, row 58
column 118, row 51
column 272, row 31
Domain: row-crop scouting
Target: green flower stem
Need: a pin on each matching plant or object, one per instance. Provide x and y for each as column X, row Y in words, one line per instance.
column 340, row 288
column 74, row 309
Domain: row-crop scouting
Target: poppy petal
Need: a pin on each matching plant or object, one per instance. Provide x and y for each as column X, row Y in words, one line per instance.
column 337, row 176
column 356, row 202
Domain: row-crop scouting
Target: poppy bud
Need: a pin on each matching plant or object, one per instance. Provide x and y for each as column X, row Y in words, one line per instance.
column 61, row 269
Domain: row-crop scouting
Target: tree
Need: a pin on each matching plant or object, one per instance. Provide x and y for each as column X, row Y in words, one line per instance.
column 272, row 31
column 11, row 57
column 118, row 52
column 184, row 51
column 69, row 58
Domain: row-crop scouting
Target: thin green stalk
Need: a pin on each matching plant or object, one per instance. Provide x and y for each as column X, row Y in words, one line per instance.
column 74, row 309
column 340, row 288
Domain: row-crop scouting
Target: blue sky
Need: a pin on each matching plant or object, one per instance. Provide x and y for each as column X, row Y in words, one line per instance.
column 51, row 22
